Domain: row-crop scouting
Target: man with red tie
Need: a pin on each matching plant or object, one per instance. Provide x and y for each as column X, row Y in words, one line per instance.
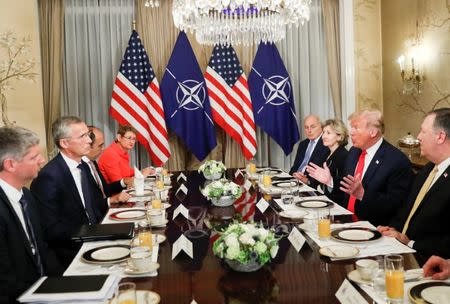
column 422, row 223
column 377, row 176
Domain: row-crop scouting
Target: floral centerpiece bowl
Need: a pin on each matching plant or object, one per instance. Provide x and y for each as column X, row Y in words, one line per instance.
column 212, row 169
column 222, row 193
column 246, row 247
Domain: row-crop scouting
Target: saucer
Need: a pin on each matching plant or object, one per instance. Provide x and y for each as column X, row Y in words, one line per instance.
column 293, row 214
column 160, row 223
column 355, row 277
column 305, row 227
column 143, row 297
column 151, row 268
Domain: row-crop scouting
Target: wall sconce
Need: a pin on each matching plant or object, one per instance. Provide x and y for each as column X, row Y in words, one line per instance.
column 151, row 3
column 412, row 75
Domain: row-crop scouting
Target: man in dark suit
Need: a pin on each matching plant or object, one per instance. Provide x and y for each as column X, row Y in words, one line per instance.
column 23, row 254
column 422, row 223
column 377, row 176
column 112, row 192
column 65, row 188
column 310, row 149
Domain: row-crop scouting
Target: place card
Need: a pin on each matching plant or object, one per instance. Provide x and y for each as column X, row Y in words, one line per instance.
column 182, row 244
column 181, row 209
column 238, row 172
column 262, row 205
column 347, row 294
column 182, row 189
column 297, row 239
column 247, row 185
column 182, row 177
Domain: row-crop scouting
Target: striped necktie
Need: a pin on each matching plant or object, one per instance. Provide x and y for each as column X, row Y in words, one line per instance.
column 359, row 170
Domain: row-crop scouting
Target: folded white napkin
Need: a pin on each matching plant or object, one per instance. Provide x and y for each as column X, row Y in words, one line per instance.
column 138, row 173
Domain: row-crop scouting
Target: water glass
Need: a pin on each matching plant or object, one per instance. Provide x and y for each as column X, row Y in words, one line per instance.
column 145, row 236
column 126, row 293
column 379, row 280
column 395, row 278
column 287, row 196
column 139, row 185
column 324, row 224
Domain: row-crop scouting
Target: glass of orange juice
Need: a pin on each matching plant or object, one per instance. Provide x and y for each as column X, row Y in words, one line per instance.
column 266, row 179
column 156, row 203
column 324, row 224
column 126, row 293
column 145, row 236
column 252, row 167
column 395, row 278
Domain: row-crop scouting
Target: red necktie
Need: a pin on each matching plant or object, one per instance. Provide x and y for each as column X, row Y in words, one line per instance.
column 359, row 170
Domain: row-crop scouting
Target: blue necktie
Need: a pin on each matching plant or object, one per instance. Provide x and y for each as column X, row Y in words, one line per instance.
column 307, row 156
column 84, row 171
column 34, row 248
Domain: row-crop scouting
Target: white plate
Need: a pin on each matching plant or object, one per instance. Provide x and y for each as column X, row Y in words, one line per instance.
column 151, row 268
column 356, row 235
column 132, row 192
column 293, row 214
column 339, row 251
column 111, row 253
column 355, row 277
column 160, row 224
column 285, row 184
column 144, row 297
column 132, row 214
column 436, row 294
column 313, row 204
column 306, row 227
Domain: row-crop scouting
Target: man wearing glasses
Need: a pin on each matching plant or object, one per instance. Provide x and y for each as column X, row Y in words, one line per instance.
column 66, row 189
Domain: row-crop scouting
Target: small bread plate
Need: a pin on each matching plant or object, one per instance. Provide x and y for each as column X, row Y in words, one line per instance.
column 129, row 214
column 110, row 254
column 269, row 171
column 339, row 251
column 355, row 277
column 430, row 292
column 355, row 235
column 306, row 227
column 314, row 203
column 132, row 192
column 163, row 205
column 293, row 214
column 160, row 223
column 285, row 184
column 152, row 267
column 157, row 238
column 143, row 297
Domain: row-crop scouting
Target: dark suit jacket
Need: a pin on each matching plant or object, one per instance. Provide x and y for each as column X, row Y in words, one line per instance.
column 61, row 208
column 112, row 188
column 386, row 184
column 429, row 227
column 336, row 164
column 18, row 269
column 318, row 156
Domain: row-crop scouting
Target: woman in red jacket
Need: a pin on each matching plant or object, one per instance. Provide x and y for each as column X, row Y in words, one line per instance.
column 114, row 163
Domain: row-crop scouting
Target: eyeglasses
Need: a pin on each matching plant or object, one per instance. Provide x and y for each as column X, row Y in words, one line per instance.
column 129, row 138
column 82, row 136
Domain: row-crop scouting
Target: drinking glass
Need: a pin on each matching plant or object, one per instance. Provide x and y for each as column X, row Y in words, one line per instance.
column 395, row 278
column 379, row 280
column 196, row 214
column 139, row 185
column 266, row 179
column 324, row 223
column 126, row 293
column 159, row 182
column 251, row 167
column 156, row 203
column 145, row 236
column 287, row 196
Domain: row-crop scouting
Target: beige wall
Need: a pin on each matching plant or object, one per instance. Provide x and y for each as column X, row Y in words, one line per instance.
column 404, row 113
column 25, row 104
column 368, row 54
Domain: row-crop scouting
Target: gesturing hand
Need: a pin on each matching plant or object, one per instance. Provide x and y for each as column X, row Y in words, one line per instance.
column 353, row 186
column 320, row 174
column 300, row 176
column 437, row 267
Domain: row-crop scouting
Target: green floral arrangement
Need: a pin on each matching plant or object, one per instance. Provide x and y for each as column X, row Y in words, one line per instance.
column 212, row 167
column 222, row 187
column 246, row 243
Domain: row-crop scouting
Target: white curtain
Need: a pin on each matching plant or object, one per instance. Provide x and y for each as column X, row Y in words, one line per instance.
column 304, row 54
column 96, row 35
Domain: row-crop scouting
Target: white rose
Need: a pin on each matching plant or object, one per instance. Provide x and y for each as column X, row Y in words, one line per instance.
column 260, row 247
column 232, row 253
column 274, row 251
column 247, row 239
column 231, row 240
column 263, row 233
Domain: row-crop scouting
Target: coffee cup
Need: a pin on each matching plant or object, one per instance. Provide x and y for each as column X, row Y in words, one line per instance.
column 155, row 216
column 310, row 220
column 140, row 258
column 366, row 268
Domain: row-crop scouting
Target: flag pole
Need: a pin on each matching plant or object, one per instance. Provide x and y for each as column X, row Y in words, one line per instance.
column 138, row 144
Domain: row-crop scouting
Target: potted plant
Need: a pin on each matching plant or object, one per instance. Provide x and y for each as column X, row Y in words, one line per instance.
column 212, row 169
column 222, row 193
column 246, row 247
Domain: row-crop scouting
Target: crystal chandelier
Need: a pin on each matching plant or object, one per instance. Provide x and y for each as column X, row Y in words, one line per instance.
column 239, row 21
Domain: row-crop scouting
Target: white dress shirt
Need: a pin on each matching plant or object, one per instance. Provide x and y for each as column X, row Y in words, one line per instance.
column 14, row 197
column 370, row 154
column 76, row 174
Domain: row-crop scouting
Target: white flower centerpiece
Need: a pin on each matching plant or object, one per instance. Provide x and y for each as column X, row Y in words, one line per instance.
column 212, row 169
column 246, row 247
column 222, row 192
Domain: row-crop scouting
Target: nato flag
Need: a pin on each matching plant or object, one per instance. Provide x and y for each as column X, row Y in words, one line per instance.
column 186, row 101
column 272, row 97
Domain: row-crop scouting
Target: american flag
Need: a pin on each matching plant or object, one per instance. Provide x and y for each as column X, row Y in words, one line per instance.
column 136, row 101
column 230, row 98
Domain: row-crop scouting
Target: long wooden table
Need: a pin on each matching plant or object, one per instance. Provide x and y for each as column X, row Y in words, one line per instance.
column 304, row 277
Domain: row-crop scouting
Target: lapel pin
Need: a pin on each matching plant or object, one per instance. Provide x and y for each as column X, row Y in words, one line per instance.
column 377, row 161
column 445, row 174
